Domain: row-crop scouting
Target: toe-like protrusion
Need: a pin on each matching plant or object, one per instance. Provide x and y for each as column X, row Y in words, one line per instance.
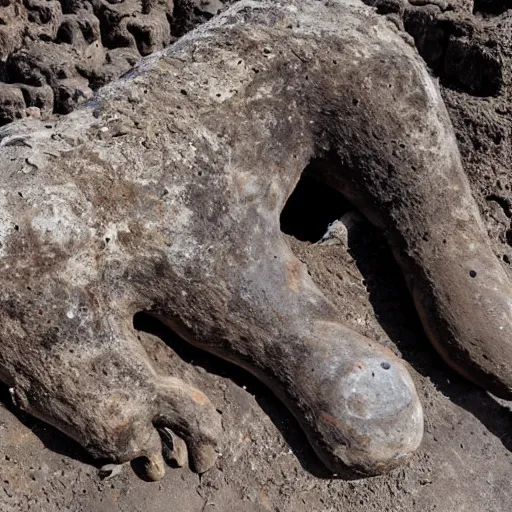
column 382, row 415
column 366, row 416
column 110, row 471
column 188, row 422
column 203, row 457
column 174, row 448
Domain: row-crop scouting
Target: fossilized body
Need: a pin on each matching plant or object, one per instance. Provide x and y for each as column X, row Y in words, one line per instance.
column 164, row 194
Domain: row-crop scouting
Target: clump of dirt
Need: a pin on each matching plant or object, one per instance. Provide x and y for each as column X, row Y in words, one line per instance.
column 465, row 461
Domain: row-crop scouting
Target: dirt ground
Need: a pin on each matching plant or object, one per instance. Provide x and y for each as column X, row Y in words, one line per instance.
column 465, row 462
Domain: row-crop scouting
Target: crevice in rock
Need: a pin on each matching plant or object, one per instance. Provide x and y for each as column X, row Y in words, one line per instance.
column 142, row 38
column 503, row 202
column 491, row 6
column 310, row 209
column 451, row 43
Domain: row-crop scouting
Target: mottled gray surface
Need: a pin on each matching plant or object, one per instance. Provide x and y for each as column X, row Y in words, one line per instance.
column 494, row 418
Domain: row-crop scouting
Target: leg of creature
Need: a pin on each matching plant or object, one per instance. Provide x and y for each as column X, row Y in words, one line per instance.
column 397, row 160
column 96, row 383
column 354, row 398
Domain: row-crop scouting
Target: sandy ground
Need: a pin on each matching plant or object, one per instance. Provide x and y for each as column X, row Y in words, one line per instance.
column 465, row 461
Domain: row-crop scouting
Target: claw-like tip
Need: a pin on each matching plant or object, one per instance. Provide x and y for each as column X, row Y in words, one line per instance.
column 109, row 471
column 173, row 447
column 203, row 458
column 154, row 466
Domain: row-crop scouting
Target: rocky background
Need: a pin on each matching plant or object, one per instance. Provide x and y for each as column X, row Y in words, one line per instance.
column 54, row 54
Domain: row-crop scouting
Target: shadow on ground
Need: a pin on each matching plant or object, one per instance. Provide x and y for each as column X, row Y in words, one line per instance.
column 51, row 438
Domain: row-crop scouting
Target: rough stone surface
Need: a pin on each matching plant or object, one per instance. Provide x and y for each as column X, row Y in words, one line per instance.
column 454, row 43
column 75, row 46
column 434, row 481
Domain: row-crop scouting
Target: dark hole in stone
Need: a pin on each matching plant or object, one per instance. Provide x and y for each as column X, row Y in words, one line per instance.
column 472, row 273
column 491, row 6
column 142, row 38
column 87, row 31
column 64, row 34
column 385, row 366
column 111, row 38
column 311, row 208
column 508, row 237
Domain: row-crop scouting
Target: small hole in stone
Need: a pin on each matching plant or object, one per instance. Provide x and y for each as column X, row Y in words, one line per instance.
column 199, row 173
column 184, row 92
column 506, row 259
column 20, row 194
column 472, row 273
column 16, row 227
column 107, row 239
column 385, row 366
column 311, row 208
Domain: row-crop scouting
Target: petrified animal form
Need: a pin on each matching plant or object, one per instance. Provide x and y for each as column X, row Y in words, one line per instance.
column 163, row 194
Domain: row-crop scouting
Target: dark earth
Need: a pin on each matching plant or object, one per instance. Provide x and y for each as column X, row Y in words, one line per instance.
column 54, row 54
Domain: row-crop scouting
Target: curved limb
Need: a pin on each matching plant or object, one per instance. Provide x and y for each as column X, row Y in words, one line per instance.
column 354, row 398
column 397, row 160
column 103, row 392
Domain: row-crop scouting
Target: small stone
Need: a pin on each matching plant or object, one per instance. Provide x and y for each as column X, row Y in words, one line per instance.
column 34, row 112
column 12, row 104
